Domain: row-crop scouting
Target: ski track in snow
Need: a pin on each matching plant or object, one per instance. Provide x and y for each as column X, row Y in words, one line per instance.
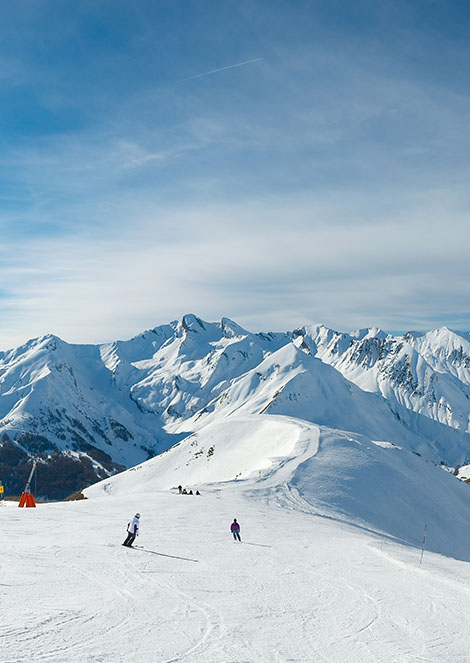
column 302, row 586
column 212, row 628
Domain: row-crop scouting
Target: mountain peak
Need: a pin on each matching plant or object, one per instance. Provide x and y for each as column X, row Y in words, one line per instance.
column 368, row 332
column 230, row 329
column 192, row 323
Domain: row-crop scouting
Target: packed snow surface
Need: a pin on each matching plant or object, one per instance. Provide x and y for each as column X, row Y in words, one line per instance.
column 329, row 569
column 336, row 474
column 299, row 588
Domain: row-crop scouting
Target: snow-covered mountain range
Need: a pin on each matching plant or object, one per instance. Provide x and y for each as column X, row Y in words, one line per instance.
column 88, row 411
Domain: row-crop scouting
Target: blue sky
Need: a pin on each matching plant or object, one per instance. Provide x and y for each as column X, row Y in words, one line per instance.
column 326, row 180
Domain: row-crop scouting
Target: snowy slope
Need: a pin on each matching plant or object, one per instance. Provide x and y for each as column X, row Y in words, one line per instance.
column 332, row 473
column 301, row 587
column 427, row 373
column 445, row 350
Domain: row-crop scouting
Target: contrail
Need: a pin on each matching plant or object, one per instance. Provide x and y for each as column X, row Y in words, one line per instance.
column 215, row 71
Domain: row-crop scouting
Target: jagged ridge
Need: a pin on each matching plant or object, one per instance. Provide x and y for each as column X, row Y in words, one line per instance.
column 99, row 408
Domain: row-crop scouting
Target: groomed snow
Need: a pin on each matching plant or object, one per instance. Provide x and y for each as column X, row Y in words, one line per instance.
column 329, row 569
column 299, row 588
column 230, row 449
column 372, row 483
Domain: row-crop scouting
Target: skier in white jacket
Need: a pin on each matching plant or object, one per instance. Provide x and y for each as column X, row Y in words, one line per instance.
column 132, row 530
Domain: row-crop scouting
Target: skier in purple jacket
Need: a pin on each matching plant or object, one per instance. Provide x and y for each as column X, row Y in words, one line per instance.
column 235, row 529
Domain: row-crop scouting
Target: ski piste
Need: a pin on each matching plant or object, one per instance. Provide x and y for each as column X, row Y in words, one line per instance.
column 321, row 586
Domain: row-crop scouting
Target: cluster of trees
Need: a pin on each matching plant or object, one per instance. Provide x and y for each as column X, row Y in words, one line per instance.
column 57, row 473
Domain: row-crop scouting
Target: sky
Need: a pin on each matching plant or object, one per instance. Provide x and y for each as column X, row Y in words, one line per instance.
column 279, row 163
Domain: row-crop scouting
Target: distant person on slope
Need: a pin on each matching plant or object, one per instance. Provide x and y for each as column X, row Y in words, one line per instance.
column 235, row 529
column 132, row 530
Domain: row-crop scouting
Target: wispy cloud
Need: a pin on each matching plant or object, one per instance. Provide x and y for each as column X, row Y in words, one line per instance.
column 246, row 261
